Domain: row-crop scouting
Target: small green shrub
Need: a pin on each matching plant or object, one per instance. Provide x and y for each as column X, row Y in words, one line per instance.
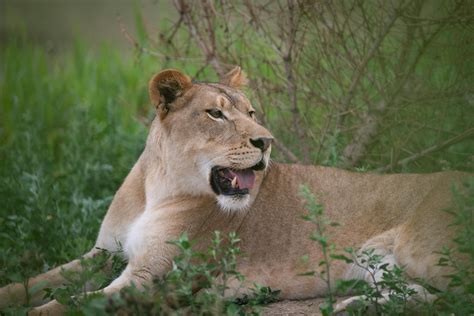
column 457, row 299
column 196, row 285
column 393, row 284
column 316, row 216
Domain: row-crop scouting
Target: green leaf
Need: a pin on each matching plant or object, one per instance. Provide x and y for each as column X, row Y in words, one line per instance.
column 341, row 257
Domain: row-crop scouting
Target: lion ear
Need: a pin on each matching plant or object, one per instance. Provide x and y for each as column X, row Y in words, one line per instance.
column 166, row 86
column 235, row 78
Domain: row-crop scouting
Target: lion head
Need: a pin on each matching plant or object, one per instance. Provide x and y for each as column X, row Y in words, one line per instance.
column 207, row 138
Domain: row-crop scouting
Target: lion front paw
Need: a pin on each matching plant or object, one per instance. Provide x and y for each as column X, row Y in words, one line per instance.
column 355, row 303
column 50, row 308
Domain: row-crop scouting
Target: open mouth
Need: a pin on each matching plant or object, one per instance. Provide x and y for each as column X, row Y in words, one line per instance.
column 228, row 181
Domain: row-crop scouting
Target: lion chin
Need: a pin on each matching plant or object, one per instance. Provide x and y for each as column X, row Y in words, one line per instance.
column 234, row 203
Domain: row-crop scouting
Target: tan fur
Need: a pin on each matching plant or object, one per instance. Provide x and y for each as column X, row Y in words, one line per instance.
column 167, row 192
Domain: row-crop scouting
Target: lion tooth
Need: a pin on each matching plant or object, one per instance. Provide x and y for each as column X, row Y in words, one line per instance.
column 234, row 182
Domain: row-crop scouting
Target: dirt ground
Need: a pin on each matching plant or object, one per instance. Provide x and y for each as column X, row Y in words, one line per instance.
column 303, row 307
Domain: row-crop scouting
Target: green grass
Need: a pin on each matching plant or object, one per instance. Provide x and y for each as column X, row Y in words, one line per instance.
column 69, row 133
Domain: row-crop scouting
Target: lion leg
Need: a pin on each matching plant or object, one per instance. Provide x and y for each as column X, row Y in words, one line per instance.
column 149, row 256
column 19, row 293
column 381, row 245
column 145, row 263
column 140, row 278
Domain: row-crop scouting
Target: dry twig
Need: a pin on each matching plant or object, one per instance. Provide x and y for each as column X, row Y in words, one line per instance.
column 430, row 150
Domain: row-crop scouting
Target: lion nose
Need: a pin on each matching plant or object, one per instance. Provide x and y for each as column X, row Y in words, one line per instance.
column 261, row 143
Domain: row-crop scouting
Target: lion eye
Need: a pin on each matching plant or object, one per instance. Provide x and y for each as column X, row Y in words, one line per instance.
column 215, row 113
column 252, row 114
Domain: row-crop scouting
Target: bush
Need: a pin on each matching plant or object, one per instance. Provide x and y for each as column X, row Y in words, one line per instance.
column 176, row 292
column 350, row 83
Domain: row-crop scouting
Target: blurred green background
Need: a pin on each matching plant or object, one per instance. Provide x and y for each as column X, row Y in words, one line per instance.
column 70, row 91
column 361, row 85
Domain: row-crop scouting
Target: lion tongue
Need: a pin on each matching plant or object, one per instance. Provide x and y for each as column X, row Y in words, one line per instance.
column 245, row 178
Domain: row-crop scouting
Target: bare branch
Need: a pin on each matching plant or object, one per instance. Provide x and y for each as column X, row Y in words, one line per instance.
column 286, row 152
column 291, row 80
column 333, row 73
column 429, row 150
column 357, row 149
column 207, row 49
column 359, row 72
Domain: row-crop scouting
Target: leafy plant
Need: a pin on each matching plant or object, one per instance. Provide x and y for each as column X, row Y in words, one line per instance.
column 387, row 292
column 96, row 272
column 458, row 298
column 387, row 283
column 316, row 216
column 197, row 284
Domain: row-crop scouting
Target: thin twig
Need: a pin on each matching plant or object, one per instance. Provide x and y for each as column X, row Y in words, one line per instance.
column 183, row 9
column 286, row 152
column 357, row 149
column 429, row 150
column 359, row 72
column 290, row 81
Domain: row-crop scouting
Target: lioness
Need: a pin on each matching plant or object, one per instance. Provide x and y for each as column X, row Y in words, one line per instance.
column 206, row 167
